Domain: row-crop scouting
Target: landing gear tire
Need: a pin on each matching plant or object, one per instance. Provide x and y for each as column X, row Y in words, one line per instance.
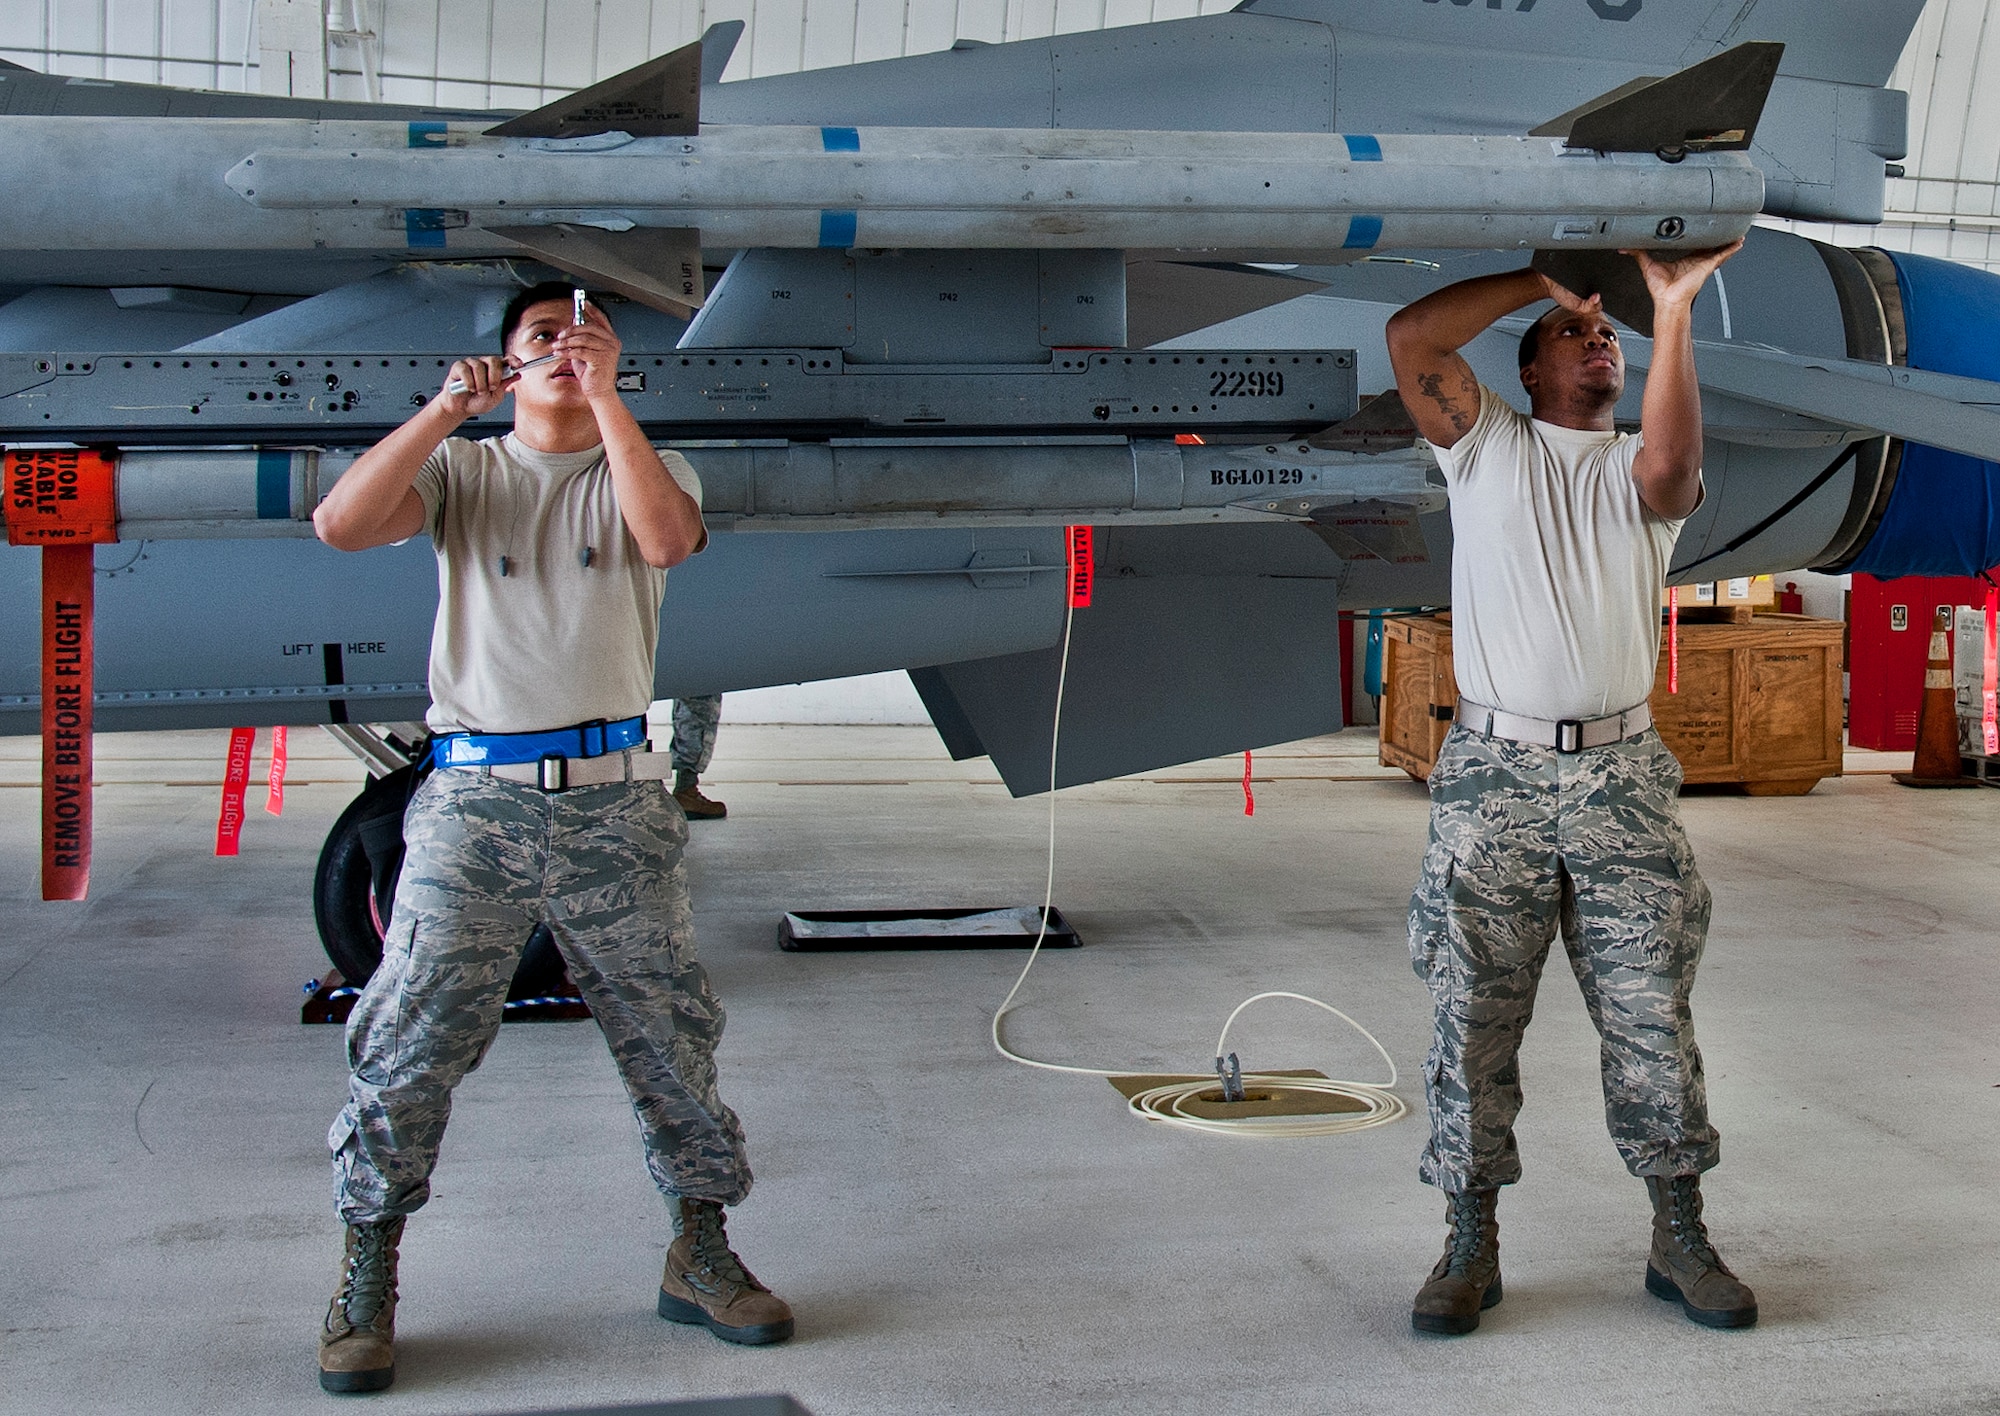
column 355, row 888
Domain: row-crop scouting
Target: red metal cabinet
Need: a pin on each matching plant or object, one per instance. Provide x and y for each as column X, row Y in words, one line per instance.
column 1889, row 626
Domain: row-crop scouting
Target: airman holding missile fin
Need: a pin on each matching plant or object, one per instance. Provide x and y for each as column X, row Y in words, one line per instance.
column 1553, row 802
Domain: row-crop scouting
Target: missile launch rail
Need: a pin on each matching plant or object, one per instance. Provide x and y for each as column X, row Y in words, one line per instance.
column 334, row 400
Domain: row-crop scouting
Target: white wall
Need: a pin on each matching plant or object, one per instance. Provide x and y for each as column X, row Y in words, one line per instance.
column 521, row 53
column 1825, row 596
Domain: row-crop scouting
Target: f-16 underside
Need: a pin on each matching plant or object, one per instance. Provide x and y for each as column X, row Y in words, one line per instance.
column 910, row 319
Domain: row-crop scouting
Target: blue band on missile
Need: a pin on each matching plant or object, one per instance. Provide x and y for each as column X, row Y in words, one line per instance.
column 424, row 228
column 1363, row 147
column 428, row 135
column 274, row 485
column 836, row 228
column 1362, row 233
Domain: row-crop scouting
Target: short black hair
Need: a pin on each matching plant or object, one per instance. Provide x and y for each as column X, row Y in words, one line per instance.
column 1531, row 339
column 510, row 319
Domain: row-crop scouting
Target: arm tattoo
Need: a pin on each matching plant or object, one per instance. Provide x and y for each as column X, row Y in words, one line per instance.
column 1432, row 387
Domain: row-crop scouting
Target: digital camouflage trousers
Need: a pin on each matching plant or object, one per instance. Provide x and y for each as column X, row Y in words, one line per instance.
column 1525, row 841
column 486, row 861
column 695, row 722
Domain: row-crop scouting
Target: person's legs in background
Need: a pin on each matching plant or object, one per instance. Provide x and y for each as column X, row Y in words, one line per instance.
column 695, row 721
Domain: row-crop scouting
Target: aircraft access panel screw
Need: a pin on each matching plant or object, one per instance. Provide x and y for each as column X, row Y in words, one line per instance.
column 1671, row 228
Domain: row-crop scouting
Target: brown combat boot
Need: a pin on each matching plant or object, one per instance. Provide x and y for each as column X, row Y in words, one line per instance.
column 687, row 791
column 705, row 1283
column 1684, row 1264
column 357, row 1346
column 1466, row 1280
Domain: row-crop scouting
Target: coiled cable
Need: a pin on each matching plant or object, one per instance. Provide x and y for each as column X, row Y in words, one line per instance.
column 1168, row 1103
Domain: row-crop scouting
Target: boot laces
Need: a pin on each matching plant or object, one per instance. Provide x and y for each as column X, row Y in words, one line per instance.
column 1468, row 1232
column 706, row 1236
column 1684, row 1216
column 369, row 1281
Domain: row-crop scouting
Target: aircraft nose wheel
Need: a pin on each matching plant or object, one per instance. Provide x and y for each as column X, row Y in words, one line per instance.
column 354, row 889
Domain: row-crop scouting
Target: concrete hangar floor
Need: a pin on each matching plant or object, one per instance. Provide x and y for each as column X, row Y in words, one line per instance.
column 960, row 1234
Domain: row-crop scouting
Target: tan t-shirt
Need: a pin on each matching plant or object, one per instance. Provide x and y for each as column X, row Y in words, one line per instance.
column 529, row 637
column 1556, row 567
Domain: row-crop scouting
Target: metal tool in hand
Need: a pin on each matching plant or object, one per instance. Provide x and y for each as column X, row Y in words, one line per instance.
column 458, row 385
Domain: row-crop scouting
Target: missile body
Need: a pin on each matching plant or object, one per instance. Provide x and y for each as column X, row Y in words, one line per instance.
column 205, row 493
column 434, row 188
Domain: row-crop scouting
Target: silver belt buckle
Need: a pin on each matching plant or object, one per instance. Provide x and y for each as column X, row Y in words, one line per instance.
column 1569, row 735
column 554, row 776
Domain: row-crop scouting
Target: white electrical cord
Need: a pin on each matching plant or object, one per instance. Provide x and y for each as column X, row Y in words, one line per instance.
column 1167, row 1104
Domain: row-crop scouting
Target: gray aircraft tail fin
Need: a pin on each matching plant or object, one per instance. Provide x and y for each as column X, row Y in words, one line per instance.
column 659, row 99
column 1712, row 106
column 657, row 266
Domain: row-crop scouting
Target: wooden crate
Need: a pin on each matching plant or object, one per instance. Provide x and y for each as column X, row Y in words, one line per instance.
column 1758, row 708
column 1419, row 690
column 1759, row 705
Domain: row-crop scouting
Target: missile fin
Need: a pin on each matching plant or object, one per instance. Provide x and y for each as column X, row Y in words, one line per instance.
column 1166, row 299
column 1560, row 125
column 1379, row 425
column 718, row 44
column 1610, row 274
column 659, row 99
column 1372, row 530
column 657, row 266
column 1712, row 106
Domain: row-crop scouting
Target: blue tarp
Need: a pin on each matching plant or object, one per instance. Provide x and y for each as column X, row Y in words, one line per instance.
column 1944, row 514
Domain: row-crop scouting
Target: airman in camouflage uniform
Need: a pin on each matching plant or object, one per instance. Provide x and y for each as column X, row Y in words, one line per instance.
column 545, row 807
column 1553, row 800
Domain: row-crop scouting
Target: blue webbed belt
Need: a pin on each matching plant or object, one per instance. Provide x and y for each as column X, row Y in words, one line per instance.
column 505, row 749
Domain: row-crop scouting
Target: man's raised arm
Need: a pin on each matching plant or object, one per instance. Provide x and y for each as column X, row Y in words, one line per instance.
column 1438, row 386
column 1668, row 467
column 375, row 502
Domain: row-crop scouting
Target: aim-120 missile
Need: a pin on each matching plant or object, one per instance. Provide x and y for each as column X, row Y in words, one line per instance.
column 622, row 183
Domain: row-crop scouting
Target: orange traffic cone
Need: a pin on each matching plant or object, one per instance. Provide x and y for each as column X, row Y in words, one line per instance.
column 1937, row 763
